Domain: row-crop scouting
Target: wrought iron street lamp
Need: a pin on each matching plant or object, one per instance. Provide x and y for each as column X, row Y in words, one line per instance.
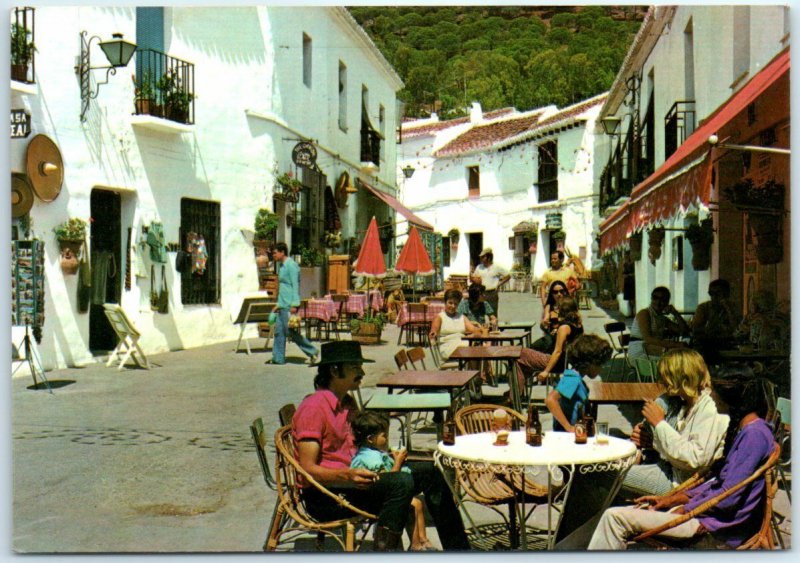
column 611, row 124
column 117, row 51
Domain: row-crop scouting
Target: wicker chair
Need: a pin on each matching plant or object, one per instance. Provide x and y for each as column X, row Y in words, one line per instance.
column 488, row 488
column 762, row 539
column 291, row 519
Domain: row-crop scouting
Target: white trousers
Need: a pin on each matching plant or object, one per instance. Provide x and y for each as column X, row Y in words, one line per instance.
column 620, row 523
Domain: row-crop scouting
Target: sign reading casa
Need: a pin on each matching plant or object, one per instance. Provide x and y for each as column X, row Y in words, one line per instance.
column 20, row 124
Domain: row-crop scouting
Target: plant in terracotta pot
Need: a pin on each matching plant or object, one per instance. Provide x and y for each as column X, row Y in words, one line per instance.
column 453, row 235
column 290, row 186
column 177, row 100
column 265, row 226
column 22, row 49
column 144, row 94
column 70, row 235
column 655, row 240
column 701, row 237
column 332, row 239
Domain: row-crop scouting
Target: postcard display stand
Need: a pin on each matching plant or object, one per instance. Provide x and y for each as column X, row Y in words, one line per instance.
column 27, row 297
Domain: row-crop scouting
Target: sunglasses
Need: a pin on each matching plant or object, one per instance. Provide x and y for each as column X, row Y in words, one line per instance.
column 558, row 292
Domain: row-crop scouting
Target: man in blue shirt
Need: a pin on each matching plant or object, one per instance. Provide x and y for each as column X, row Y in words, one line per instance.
column 288, row 302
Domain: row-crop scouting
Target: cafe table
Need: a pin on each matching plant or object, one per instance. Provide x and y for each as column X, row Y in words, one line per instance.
column 509, row 354
column 606, row 393
column 456, row 383
column 499, row 337
column 408, row 403
column 581, row 479
column 521, row 325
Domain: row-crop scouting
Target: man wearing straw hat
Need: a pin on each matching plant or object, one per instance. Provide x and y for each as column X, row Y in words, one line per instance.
column 325, row 446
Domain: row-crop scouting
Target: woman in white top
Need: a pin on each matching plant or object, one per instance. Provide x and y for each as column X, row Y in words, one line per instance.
column 449, row 326
column 687, row 443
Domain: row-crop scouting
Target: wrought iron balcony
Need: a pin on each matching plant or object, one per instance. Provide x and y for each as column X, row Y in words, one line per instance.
column 370, row 146
column 678, row 125
column 23, row 50
column 164, row 86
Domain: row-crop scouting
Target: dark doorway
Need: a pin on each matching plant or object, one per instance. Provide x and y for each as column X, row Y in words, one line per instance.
column 106, row 261
column 475, row 246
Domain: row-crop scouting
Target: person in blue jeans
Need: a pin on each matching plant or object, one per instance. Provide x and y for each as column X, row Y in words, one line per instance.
column 288, row 302
column 587, row 355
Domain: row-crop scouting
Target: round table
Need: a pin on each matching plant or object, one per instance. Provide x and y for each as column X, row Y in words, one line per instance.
column 592, row 470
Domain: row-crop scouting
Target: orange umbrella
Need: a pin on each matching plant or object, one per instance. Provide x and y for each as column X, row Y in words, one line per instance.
column 370, row 262
column 414, row 259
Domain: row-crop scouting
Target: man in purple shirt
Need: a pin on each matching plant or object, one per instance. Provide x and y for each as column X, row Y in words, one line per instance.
column 732, row 520
column 325, row 446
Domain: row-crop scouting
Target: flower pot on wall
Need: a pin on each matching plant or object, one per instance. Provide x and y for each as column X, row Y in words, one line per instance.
column 636, row 246
column 261, row 249
column 701, row 256
column 70, row 250
column 769, row 237
column 655, row 240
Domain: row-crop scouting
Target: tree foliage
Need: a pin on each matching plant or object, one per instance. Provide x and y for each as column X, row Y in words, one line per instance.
column 522, row 56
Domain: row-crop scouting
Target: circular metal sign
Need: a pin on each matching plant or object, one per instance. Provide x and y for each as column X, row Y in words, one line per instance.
column 304, row 154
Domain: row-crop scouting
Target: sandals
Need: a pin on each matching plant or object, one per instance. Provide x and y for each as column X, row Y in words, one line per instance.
column 424, row 546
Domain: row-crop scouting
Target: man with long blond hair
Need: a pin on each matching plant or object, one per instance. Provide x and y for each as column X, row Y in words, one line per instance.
column 683, row 426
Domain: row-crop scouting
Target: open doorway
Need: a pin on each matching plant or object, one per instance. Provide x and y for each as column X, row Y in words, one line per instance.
column 475, row 241
column 106, row 262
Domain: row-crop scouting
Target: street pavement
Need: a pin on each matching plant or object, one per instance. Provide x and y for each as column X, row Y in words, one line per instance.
column 162, row 460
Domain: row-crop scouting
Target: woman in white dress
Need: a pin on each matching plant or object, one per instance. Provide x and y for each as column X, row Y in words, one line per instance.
column 449, row 326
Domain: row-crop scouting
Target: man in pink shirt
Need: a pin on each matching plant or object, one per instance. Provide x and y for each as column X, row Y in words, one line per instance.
column 321, row 429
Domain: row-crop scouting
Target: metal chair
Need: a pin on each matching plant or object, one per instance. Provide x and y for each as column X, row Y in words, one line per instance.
column 291, row 519
column 439, row 361
column 342, row 321
column 401, row 359
column 762, row 539
column 619, row 337
column 646, row 369
column 420, row 327
column 417, row 355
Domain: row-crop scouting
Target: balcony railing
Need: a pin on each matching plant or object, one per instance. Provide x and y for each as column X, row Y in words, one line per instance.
column 548, row 191
column 23, row 51
column 370, row 146
column 678, row 125
column 164, row 86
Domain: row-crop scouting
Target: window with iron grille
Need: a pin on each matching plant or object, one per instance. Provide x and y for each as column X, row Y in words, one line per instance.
column 548, row 171
column 474, row 173
column 202, row 218
column 309, row 211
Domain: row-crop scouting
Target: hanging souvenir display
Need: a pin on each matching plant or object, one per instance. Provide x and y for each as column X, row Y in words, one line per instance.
column 155, row 239
column 27, row 285
column 197, row 247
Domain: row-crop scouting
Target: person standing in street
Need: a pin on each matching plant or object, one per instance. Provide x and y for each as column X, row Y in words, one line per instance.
column 288, row 302
column 491, row 277
column 557, row 272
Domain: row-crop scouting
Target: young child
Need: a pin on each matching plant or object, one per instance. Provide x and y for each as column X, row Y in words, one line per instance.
column 587, row 355
column 371, row 435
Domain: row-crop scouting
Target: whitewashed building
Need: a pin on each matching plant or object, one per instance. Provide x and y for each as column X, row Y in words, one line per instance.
column 259, row 81
column 508, row 180
column 693, row 73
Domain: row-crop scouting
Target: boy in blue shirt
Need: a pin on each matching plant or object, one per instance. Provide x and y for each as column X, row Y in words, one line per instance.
column 371, row 435
column 586, row 355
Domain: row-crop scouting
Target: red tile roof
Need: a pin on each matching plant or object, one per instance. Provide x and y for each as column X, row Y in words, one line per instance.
column 486, row 135
column 427, row 128
column 571, row 112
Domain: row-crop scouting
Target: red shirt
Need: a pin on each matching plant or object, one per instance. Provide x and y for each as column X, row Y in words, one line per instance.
column 322, row 418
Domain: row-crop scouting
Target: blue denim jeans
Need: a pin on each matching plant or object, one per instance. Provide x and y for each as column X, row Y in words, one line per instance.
column 281, row 331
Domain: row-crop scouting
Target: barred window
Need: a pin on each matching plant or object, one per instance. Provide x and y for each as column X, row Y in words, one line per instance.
column 203, row 219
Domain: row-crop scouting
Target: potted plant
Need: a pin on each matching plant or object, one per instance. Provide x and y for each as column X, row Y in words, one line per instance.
column 311, row 270
column 764, row 205
column 636, row 246
column 22, row 49
column 290, row 186
column 70, row 235
column 175, row 97
column 746, row 195
column 265, row 226
column 701, row 237
column 367, row 330
column 453, row 235
column 332, row 239
column 144, row 98
column 655, row 239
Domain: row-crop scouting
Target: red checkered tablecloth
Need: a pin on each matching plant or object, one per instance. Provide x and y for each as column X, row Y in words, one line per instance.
column 323, row 309
column 433, row 309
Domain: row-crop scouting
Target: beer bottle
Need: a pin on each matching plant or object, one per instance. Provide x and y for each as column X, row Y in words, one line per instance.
column 580, row 428
column 449, row 430
column 533, row 427
column 588, row 420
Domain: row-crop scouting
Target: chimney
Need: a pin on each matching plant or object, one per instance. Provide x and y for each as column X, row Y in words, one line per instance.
column 476, row 113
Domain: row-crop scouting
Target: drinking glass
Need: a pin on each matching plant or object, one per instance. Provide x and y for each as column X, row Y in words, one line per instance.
column 601, row 433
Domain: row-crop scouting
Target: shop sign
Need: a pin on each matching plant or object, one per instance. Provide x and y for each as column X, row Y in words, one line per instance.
column 304, row 154
column 552, row 221
column 20, row 124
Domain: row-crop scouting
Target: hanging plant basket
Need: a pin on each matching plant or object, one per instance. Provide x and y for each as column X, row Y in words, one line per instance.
column 655, row 240
column 769, row 237
column 70, row 250
column 636, row 246
column 701, row 237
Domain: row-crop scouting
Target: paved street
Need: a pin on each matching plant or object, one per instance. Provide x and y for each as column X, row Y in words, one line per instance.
column 162, row 460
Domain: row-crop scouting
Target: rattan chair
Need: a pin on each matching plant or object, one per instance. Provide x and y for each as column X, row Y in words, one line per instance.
column 286, row 413
column 291, row 520
column 762, row 539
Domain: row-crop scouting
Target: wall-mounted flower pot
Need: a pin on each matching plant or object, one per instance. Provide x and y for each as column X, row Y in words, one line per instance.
column 70, row 250
column 636, row 246
column 655, row 240
column 261, row 249
column 701, row 256
column 769, row 237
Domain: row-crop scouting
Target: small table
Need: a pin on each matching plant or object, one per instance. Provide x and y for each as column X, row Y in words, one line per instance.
column 604, row 393
column 522, row 325
column 559, row 459
column 436, row 403
column 500, row 337
column 457, row 383
column 509, row 354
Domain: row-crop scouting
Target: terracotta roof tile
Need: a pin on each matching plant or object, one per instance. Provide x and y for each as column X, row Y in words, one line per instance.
column 410, row 130
column 486, row 135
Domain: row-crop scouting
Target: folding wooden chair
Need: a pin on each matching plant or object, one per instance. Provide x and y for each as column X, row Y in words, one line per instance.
column 417, row 356
column 128, row 345
column 401, row 359
column 291, row 520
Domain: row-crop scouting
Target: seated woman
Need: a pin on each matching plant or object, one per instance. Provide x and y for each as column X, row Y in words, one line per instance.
column 476, row 309
column 658, row 325
column 715, row 321
column 394, row 301
column 684, row 427
column 570, row 327
column 732, row 520
column 766, row 327
column 549, row 322
column 449, row 326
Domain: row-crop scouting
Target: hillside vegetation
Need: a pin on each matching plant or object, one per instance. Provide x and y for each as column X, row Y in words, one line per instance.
column 526, row 56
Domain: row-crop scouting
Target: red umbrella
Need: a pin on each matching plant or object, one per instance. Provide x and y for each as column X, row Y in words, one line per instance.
column 414, row 258
column 370, row 262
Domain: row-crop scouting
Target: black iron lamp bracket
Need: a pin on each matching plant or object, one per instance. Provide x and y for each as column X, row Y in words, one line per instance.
column 89, row 91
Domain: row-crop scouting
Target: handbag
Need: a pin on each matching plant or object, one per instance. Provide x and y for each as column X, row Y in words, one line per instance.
column 163, row 296
column 153, row 292
column 84, row 281
column 183, row 261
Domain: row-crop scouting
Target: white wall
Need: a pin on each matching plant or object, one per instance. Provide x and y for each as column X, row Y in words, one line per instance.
column 247, row 58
